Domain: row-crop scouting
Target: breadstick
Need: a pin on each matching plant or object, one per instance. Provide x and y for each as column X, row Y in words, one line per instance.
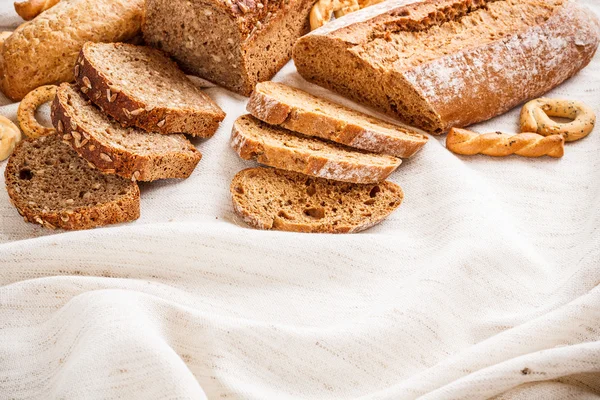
column 462, row 141
column 30, row 9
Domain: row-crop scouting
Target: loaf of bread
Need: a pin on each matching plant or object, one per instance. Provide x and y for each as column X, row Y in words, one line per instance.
column 232, row 43
column 441, row 63
column 44, row 50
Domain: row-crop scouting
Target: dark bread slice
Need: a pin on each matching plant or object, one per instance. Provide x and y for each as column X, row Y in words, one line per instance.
column 51, row 185
column 268, row 198
column 140, row 86
column 280, row 148
column 129, row 152
column 298, row 111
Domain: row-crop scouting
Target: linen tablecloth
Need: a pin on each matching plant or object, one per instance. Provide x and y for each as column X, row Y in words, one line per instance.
column 483, row 283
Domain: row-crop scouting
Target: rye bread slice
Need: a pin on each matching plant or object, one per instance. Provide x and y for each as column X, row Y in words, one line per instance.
column 268, row 198
column 129, row 152
column 277, row 147
column 141, row 86
column 298, row 111
column 51, row 185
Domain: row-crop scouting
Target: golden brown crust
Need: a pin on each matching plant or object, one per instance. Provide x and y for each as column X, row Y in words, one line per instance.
column 29, row 105
column 29, row 9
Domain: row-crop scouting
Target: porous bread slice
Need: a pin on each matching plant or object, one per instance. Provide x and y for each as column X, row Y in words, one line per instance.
column 129, row 152
column 140, row 86
column 268, row 198
column 280, row 148
column 51, row 185
column 298, row 111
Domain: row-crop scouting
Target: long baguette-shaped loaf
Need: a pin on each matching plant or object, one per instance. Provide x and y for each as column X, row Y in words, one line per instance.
column 443, row 63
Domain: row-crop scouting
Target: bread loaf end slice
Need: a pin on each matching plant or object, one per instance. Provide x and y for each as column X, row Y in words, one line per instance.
column 140, row 86
column 268, row 198
column 298, row 111
column 51, row 185
column 128, row 152
column 277, row 147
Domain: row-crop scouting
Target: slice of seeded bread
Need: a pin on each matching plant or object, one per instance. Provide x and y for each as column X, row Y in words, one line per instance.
column 140, row 86
column 298, row 111
column 51, row 185
column 280, row 148
column 268, row 198
column 129, row 152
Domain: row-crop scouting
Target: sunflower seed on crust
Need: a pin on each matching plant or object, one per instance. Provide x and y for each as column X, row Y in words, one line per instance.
column 135, row 176
column 161, row 123
column 73, row 125
column 76, row 70
column 105, row 157
column 60, row 126
column 137, row 112
column 86, row 82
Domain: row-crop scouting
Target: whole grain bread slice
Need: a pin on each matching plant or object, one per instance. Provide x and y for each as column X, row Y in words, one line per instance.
column 51, row 185
column 268, row 198
column 298, row 111
column 141, row 86
column 128, row 152
column 280, row 148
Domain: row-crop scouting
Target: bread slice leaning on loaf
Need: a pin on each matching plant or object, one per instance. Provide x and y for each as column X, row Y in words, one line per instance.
column 140, row 86
column 298, row 111
column 128, row 152
column 442, row 63
column 277, row 147
column 51, row 185
column 268, row 198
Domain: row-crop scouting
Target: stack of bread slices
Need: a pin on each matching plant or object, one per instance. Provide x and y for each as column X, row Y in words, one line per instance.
column 329, row 163
column 119, row 123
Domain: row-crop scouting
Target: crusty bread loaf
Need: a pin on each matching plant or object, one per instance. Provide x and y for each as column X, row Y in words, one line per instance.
column 140, row 86
column 247, row 41
column 44, row 51
column 277, row 147
column 298, row 111
column 268, row 198
column 51, row 185
column 128, row 152
column 442, row 63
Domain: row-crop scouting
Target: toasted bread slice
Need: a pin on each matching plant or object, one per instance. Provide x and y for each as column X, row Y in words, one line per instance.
column 51, row 185
column 268, row 198
column 280, row 148
column 298, row 111
column 129, row 152
column 140, row 86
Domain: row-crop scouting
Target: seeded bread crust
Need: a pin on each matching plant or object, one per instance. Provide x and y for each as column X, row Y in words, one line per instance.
column 298, row 203
column 318, row 117
column 117, row 100
column 308, row 156
column 123, row 209
column 114, row 159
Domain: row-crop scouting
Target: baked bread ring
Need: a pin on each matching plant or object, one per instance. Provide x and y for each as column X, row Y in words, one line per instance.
column 30, row 9
column 10, row 135
column 535, row 117
column 26, row 113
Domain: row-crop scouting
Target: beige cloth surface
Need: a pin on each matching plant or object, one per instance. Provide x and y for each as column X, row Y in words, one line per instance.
column 484, row 283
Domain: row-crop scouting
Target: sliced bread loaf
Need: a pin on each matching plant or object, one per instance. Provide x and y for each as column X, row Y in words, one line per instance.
column 129, row 152
column 298, row 111
column 268, row 198
column 280, row 148
column 51, row 185
column 140, row 86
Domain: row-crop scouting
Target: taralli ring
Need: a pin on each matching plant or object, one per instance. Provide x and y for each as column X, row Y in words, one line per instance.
column 10, row 135
column 26, row 114
column 535, row 117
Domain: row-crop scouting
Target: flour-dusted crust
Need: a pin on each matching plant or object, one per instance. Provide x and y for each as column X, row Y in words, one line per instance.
column 469, row 85
column 298, row 111
column 44, row 50
column 307, row 155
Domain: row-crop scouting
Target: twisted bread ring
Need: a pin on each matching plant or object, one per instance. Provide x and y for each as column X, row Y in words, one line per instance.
column 26, row 113
column 535, row 117
column 462, row 141
column 10, row 135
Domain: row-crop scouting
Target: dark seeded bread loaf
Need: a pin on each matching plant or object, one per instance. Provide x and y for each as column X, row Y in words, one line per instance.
column 298, row 111
column 247, row 41
column 140, row 86
column 51, row 185
column 268, row 198
column 129, row 152
column 442, row 63
column 280, row 148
